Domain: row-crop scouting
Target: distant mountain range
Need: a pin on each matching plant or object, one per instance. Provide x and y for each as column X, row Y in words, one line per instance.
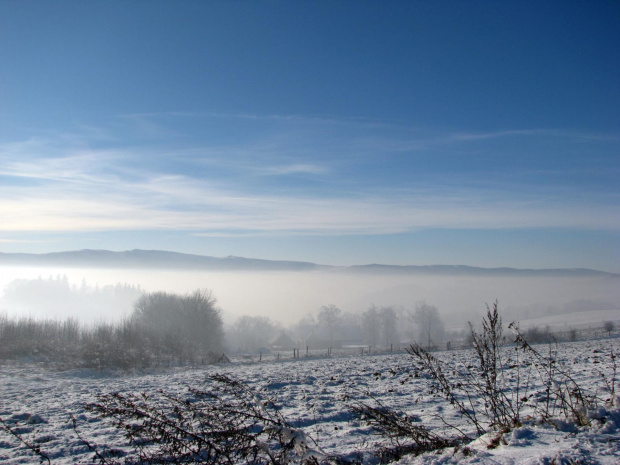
column 158, row 259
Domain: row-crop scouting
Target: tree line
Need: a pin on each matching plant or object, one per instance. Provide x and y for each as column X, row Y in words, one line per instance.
column 171, row 329
column 163, row 329
column 331, row 327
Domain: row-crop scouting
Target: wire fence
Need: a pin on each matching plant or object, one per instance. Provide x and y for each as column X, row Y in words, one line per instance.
column 277, row 355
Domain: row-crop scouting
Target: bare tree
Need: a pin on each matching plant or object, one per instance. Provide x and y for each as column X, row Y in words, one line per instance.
column 187, row 325
column 250, row 333
column 389, row 322
column 609, row 326
column 329, row 316
column 371, row 326
column 202, row 320
column 430, row 324
column 156, row 310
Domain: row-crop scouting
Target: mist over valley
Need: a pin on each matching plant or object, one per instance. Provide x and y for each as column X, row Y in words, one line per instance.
column 105, row 284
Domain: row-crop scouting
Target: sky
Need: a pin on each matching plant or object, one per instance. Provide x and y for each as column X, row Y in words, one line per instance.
column 336, row 132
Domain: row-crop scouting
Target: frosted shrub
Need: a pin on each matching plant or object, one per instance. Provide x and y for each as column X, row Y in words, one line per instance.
column 163, row 329
column 226, row 424
column 186, row 327
column 504, row 379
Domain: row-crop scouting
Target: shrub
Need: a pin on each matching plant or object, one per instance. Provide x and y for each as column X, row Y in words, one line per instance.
column 44, row 339
column 185, row 327
column 573, row 335
column 609, row 326
column 502, row 402
column 500, row 407
column 535, row 335
column 163, row 328
column 404, row 435
column 227, row 424
column 121, row 345
column 563, row 395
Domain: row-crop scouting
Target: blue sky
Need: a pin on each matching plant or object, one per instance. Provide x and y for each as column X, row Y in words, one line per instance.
column 338, row 132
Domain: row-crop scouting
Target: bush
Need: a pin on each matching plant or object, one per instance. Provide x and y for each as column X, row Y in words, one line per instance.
column 44, row 339
column 500, row 407
column 535, row 335
column 502, row 402
column 573, row 335
column 122, row 345
column 187, row 327
column 609, row 326
column 163, row 329
column 225, row 425
column 404, row 435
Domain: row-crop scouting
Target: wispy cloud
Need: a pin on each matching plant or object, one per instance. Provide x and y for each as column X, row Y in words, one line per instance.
column 182, row 204
column 77, row 168
column 494, row 135
column 294, row 169
column 555, row 133
column 304, row 119
column 64, row 184
column 22, row 241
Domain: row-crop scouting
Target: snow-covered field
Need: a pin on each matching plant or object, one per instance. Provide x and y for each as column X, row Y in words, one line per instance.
column 578, row 320
column 315, row 395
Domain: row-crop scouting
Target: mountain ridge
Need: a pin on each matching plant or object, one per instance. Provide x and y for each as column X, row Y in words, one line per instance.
column 139, row 258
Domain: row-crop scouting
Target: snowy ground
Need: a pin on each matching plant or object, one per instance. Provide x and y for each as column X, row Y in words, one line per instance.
column 577, row 320
column 314, row 395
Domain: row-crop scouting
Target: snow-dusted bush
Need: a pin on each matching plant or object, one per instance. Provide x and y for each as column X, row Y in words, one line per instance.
column 609, row 326
column 163, row 329
column 486, row 379
column 535, row 335
column 504, row 378
column 226, row 424
column 404, row 434
column 119, row 345
column 564, row 397
column 40, row 338
column 186, row 327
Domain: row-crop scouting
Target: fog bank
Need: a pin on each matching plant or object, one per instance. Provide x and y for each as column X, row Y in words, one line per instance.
column 288, row 295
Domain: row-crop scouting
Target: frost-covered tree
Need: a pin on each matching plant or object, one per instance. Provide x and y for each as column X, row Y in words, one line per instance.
column 371, row 326
column 329, row 316
column 188, row 325
column 430, row 325
column 389, row 325
column 157, row 310
column 250, row 333
column 202, row 320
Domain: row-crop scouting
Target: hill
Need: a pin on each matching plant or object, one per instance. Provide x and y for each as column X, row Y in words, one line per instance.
column 158, row 259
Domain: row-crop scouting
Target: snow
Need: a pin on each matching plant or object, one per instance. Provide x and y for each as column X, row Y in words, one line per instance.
column 564, row 321
column 314, row 396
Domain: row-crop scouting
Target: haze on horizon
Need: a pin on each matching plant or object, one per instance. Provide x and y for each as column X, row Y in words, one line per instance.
column 410, row 133
column 288, row 296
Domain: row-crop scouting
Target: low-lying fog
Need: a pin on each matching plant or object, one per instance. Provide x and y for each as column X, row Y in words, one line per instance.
column 288, row 296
